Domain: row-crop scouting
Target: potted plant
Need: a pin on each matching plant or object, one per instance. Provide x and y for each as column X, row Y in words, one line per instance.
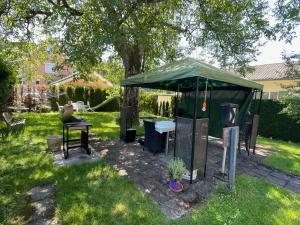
column 176, row 169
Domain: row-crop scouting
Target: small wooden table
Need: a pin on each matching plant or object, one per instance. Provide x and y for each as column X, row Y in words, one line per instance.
column 83, row 126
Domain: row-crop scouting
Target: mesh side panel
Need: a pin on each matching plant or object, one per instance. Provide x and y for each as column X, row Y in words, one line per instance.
column 200, row 145
column 184, row 136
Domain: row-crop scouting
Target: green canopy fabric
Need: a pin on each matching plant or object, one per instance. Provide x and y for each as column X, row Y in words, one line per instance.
column 166, row 77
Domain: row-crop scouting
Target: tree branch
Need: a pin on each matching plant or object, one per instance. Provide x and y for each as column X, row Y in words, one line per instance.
column 72, row 11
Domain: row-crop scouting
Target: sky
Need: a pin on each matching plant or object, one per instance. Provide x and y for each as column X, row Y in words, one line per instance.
column 272, row 50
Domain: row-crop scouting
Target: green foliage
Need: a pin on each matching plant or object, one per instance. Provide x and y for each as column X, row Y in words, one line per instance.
column 78, row 94
column 70, row 93
column 144, row 32
column 288, row 18
column 148, row 102
column 7, row 81
column 53, row 99
column 173, row 106
column 176, row 168
column 276, row 124
column 167, row 112
column 291, row 106
column 63, row 98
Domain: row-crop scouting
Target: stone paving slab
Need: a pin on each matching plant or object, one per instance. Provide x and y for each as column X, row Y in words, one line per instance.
column 42, row 203
column 150, row 173
column 76, row 156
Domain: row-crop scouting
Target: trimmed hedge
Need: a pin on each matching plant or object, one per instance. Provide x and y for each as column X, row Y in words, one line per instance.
column 273, row 123
column 94, row 96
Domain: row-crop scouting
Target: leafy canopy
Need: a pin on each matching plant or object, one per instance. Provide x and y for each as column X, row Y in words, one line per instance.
column 142, row 32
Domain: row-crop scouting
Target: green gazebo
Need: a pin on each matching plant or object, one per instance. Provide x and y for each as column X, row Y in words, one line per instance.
column 200, row 90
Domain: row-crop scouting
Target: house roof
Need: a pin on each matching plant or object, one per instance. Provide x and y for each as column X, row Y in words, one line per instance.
column 274, row 71
column 98, row 81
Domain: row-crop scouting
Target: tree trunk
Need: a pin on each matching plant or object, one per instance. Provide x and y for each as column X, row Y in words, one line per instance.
column 132, row 58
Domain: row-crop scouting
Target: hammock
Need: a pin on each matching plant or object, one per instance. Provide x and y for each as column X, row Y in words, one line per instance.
column 103, row 103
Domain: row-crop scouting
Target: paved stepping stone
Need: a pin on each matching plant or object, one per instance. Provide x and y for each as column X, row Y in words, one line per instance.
column 42, row 202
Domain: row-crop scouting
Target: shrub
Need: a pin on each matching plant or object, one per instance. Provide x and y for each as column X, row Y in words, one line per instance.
column 148, row 102
column 7, row 81
column 79, row 94
column 276, row 123
column 176, row 168
column 70, row 93
column 63, row 98
column 167, row 112
column 53, row 99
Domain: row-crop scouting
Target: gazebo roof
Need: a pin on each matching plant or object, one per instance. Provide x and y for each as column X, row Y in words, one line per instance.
column 166, row 77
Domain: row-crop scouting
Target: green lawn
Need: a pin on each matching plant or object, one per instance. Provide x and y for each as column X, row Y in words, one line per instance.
column 95, row 194
column 287, row 157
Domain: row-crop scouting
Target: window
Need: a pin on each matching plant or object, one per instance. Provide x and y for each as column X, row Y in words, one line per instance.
column 49, row 50
column 49, row 68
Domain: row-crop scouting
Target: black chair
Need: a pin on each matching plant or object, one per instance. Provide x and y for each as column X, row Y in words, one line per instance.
column 154, row 140
column 245, row 132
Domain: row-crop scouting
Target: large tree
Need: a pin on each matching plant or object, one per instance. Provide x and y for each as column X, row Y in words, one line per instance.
column 141, row 32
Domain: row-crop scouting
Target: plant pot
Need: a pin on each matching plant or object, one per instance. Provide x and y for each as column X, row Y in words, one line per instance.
column 54, row 142
column 175, row 185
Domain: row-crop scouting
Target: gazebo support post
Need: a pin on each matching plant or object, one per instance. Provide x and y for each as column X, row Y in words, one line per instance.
column 123, row 116
column 194, row 129
column 260, row 98
column 209, row 110
column 176, row 114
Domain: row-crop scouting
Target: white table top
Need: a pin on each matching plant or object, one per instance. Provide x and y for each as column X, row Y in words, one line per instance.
column 164, row 126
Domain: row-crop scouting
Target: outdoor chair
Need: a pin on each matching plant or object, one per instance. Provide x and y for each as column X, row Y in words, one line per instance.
column 245, row 133
column 81, row 106
column 13, row 125
column 154, row 141
column 88, row 107
column 60, row 107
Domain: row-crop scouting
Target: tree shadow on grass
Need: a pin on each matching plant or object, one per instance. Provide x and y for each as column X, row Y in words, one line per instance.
column 95, row 194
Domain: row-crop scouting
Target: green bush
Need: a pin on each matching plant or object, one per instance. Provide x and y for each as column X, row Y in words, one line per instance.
column 148, row 102
column 79, row 94
column 53, row 99
column 63, row 98
column 70, row 93
column 7, row 81
column 277, row 124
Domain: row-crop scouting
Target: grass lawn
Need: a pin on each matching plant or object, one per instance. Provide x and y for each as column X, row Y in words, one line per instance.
column 287, row 157
column 95, row 194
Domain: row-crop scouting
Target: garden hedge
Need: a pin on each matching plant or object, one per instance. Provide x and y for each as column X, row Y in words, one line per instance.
column 276, row 124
